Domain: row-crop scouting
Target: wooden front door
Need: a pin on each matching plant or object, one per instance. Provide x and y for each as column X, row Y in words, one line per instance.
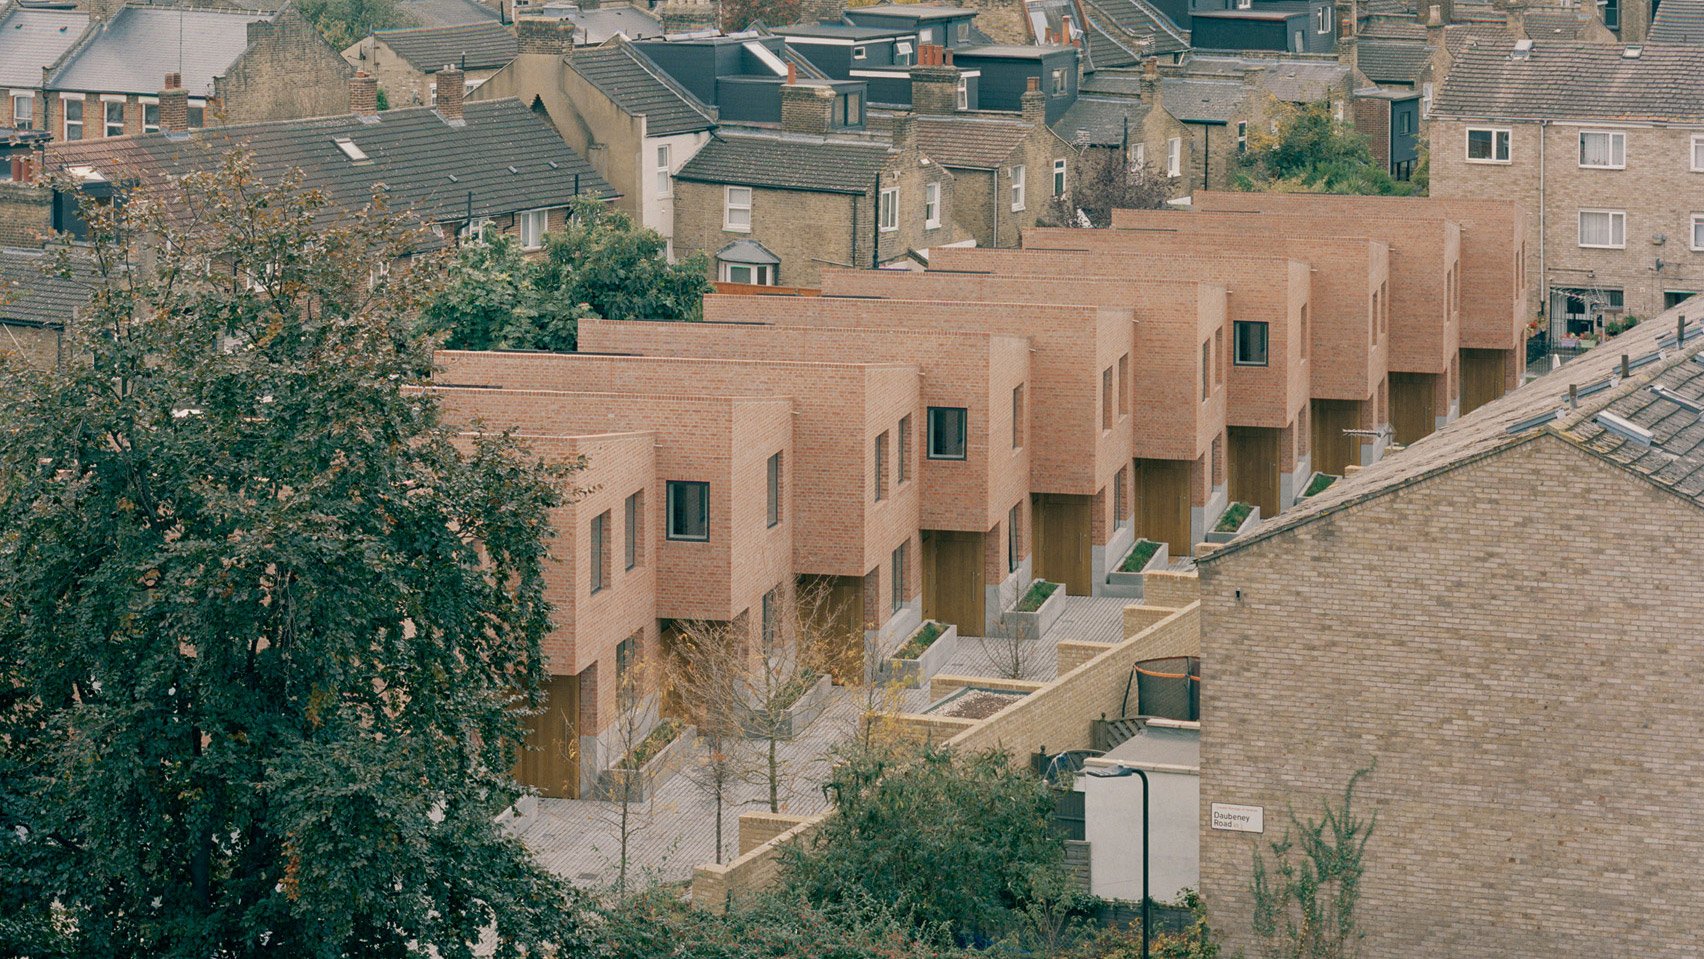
column 1484, row 374
column 843, row 606
column 952, row 578
column 1163, row 503
column 551, row 761
column 1333, row 449
column 1062, row 548
column 1412, row 411
column 1253, row 467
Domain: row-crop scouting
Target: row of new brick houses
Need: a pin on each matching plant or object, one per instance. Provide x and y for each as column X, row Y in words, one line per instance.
column 925, row 444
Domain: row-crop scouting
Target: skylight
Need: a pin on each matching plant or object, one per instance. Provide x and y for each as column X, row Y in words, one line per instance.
column 349, row 149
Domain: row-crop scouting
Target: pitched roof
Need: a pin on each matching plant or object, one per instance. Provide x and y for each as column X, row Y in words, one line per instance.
column 968, row 142
column 446, row 13
column 787, row 161
column 840, row 31
column 504, row 158
column 1142, row 22
column 914, row 11
column 1106, row 50
column 605, row 21
column 1571, row 80
column 472, row 46
column 35, row 290
column 1101, row 121
column 1561, row 24
column 1674, row 458
column 32, row 39
column 639, row 87
column 1678, row 21
column 1203, row 101
column 1460, row 36
column 133, row 51
column 1392, row 61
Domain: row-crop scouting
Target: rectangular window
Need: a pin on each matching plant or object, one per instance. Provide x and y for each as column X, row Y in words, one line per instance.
column 689, row 510
column 1698, row 153
column 1487, row 145
column 1059, row 85
column 600, row 551
column 151, row 117
column 899, row 577
column 532, row 229
column 881, row 466
column 1018, row 416
column 1174, row 156
column 1017, row 174
column 73, row 118
column 1121, row 497
column 633, row 520
column 736, row 209
column 1058, row 177
column 932, row 206
column 665, row 170
column 1014, row 544
column 23, row 112
column 852, row 110
column 1206, row 369
column 947, row 432
column 1698, row 231
column 759, row 274
column 1302, row 333
column 771, row 625
column 114, row 116
column 197, row 114
column 904, row 448
column 1250, row 343
column 1603, row 228
column 1322, row 19
column 1124, row 385
column 625, row 652
column 859, row 53
column 1139, row 157
column 1218, row 356
column 890, row 210
column 964, row 33
column 963, row 92
column 1603, row 149
column 1106, row 398
column 774, row 481
column 1242, row 136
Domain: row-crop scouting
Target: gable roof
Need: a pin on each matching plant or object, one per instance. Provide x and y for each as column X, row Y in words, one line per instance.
column 502, row 159
column 34, row 290
column 472, row 46
column 1393, row 61
column 1101, row 121
column 1143, row 22
column 1678, row 21
column 446, row 13
column 1561, row 24
column 1104, row 49
column 1203, row 101
column 32, row 39
column 920, row 12
column 1674, row 458
column 970, row 142
column 603, row 22
column 133, row 51
column 1460, row 36
column 788, row 161
column 640, row 88
column 1571, row 80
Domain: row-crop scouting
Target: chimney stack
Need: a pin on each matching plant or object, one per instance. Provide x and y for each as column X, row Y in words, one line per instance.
column 1034, row 102
column 174, row 105
column 934, row 89
column 544, row 36
column 364, row 95
column 452, row 88
column 807, row 108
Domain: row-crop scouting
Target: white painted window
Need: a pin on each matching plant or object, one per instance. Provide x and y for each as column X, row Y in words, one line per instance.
column 1059, row 177
column 474, row 231
column 890, row 210
column 931, row 205
column 902, row 53
column 1603, row 228
column 1698, row 231
column 963, row 92
column 1244, row 4
column 736, row 209
column 964, row 33
column 114, row 117
column 1059, row 86
column 1174, row 156
column 1242, row 135
column 1322, row 19
column 1139, row 157
column 150, row 116
column 1426, row 99
column 926, row 35
column 73, row 118
column 1487, row 144
column 23, row 112
column 197, row 114
column 1017, row 174
column 859, row 53
column 1698, row 153
column 533, row 223
column 754, row 274
column 665, row 171
column 1603, row 149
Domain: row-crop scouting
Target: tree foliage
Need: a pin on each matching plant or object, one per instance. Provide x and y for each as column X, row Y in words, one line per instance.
column 601, row 264
column 1312, row 152
column 265, row 623
column 344, row 22
column 657, row 924
column 742, row 14
column 1105, row 182
column 1304, row 907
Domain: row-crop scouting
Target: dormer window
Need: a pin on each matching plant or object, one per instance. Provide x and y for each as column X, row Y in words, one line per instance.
column 350, row 150
column 859, row 53
column 902, row 53
column 849, row 110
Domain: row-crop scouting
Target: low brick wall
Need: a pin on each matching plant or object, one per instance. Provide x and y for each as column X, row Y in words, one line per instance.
column 1138, row 618
column 1170, row 589
column 757, row 828
column 944, row 683
column 920, row 728
column 1073, row 653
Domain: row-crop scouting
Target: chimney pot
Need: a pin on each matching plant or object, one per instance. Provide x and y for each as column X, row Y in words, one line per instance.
column 174, row 105
column 1033, row 86
column 451, row 89
column 792, row 72
column 364, row 95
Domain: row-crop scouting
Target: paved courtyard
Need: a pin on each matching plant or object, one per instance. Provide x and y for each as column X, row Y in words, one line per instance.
column 674, row 831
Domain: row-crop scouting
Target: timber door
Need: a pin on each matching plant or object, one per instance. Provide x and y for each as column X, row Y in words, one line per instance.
column 551, row 760
column 1163, row 502
column 1412, row 413
column 1483, row 376
column 1333, row 449
column 952, row 579
column 843, row 599
column 1062, row 541
column 1254, row 467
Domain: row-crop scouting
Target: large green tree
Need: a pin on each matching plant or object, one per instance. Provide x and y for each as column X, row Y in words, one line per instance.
column 1313, row 152
column 266, row 624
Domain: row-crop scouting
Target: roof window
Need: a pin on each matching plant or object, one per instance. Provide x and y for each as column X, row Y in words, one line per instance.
column 350, row 150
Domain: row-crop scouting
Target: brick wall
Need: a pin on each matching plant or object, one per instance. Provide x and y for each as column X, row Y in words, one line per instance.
column 288, row 71
column 26, row 213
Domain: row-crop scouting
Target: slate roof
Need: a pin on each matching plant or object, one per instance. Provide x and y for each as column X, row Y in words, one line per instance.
column 599, row 25
column 1544, row 25
column 475, row 46
column 1392, row 61
column 1391, row 28
column 1674, row 459
column 1099, row 121
column 32, row 39
column 640, row 88
column 1290, row 80
column 1678, row 21
column 970, row 143
column 1576, row 81
column 1106, row 50
column 133, row 51
column 1460, row 36
column 783, row 161
column 840, row 31
column 1203, row 101
column 1141, row 21
column 507, row 157
column 446, row 13
column 33, row 291
column 920, row 12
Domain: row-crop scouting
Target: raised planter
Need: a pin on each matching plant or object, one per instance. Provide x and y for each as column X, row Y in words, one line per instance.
column 1316, row 484
column 1249, row 522
column 801, row 714
column 1036, row 623
column 912, row 673
column 1129, row 584
column 640, row 784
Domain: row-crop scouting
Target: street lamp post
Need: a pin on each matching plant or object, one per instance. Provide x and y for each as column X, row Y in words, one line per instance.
column 1120, row 773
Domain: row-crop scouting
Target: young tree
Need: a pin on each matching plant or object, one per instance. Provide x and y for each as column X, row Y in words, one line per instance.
column 496, row 300
column 1305, row 907
column 742, row 14
column 1312, row 152
column 1105, row 182
column 1016, row 654
column 266, row 626
column 636, row 734
column 344, row 22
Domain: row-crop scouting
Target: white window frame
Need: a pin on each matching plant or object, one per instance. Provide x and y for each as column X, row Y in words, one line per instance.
column 1580, row 236
column 1139, row 157
column 1508, row 137
column 860, row 52
column 730, row 208
column 1698, row 232
column 474, row 231
column 1059, row 83
column 1242, row 136
column 106, row 118
column 23, row 111
column 536, row 223
column 1060, row 170
column 1618, row 141
column 1425, row 99
column 1020, row 197
column 665, row 171
column 887, row 206
column 963, row 92
column 1245, row 4
column 1174, row 157
column 1698, row 153
column 758, row 274
column 926, row 35
column 150, row 103
column 932, row 205
column 65, row 116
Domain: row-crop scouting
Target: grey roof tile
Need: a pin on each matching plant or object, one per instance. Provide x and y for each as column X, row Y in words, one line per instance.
column 968, row 142
column 641, row 88
column 475, row 46
column 1101, row 121
column 133, row 51
column 1105, row 50
column 1544, row 25
column 446, row 13
column 1204, row 101
column 41, row 289
column 1393, row 61
column 1571, row 80
column 1142, row 22
column 32, row 39
column 781, row 161
column 1678, row 21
